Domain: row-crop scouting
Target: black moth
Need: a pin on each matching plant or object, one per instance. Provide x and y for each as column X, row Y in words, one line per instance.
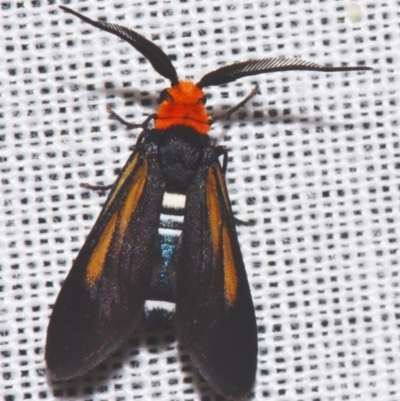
column 166, row 236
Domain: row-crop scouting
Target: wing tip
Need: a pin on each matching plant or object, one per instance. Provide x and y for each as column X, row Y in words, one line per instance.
column 60, row 370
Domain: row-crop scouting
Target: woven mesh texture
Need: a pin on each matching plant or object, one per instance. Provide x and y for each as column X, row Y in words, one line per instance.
column 313, row 160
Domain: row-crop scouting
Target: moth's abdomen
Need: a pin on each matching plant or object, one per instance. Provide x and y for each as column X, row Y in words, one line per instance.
column 162, row 284
column 171, row 223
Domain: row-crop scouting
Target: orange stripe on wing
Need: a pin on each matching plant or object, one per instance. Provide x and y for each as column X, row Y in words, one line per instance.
column 216, row 221
column 230, row 276
column 213, row 213
column 121, row 182
column 132, row 199
column 221, row 182
column 123, row 215
column 96, row 262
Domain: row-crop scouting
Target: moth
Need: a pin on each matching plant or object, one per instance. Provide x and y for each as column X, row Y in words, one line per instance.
column 165, row 242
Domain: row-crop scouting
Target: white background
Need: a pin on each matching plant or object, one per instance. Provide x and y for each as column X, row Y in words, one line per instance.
column 314, row 160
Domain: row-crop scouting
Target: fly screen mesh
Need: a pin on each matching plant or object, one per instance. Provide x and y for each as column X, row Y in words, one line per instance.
column 313, row 162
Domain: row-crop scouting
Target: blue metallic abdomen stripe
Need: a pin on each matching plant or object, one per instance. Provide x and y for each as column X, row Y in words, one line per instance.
column 168, row 245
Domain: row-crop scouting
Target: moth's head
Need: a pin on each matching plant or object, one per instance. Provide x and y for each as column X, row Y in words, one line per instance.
column 183, row 104
column 185, row 93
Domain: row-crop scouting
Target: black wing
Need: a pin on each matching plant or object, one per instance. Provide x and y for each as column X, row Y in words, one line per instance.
column 215, row 314
column 101, row 300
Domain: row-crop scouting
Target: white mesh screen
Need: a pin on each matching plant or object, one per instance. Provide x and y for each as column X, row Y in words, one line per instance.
column 314, row 161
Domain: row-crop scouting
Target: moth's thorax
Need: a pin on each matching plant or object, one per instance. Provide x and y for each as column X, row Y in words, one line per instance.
column 179, row 152
column 184, row 106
